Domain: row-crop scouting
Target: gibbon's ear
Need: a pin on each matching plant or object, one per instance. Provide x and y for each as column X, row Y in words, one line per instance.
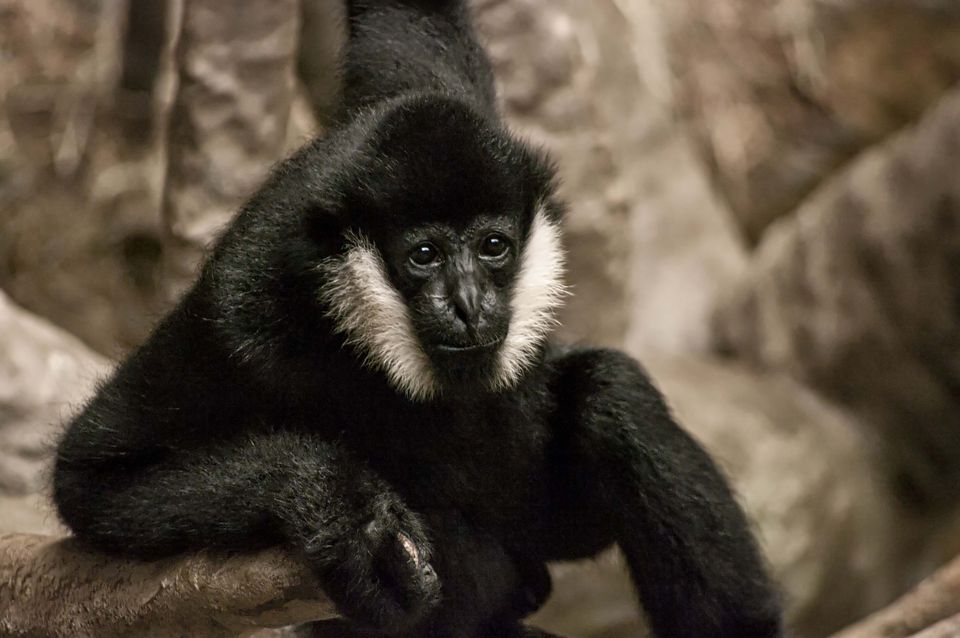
column 326, row 229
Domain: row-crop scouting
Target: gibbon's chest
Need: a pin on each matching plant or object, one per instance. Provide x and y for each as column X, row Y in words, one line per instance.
column 488, row 463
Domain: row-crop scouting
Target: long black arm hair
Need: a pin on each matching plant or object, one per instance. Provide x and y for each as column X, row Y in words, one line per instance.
column 400, row 47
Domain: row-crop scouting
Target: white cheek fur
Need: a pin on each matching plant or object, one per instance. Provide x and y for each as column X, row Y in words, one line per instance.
column 369, row 311
column 537, row 294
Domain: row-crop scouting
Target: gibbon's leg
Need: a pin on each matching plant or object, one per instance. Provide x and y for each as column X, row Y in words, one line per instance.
column 653, row 488
column 254, row 491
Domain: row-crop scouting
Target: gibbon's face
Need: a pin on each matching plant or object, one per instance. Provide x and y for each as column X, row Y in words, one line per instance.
column 443, row 310
column 457, row 284
column 452, row 268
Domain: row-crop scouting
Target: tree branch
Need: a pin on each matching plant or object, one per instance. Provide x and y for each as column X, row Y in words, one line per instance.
column 51, row 588
column 932, row 610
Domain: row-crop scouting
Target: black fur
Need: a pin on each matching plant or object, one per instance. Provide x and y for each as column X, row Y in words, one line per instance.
column 246, row 421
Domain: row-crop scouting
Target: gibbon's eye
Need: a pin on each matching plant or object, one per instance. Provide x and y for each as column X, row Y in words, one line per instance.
column 425, row 254
column 495, row 245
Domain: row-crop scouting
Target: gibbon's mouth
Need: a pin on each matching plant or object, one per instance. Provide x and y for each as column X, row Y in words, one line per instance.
column 443, row 347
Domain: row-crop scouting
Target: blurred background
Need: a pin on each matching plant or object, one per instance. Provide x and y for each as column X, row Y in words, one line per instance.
column 764, row 207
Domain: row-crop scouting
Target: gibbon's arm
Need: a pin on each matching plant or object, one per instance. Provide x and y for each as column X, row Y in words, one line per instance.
column 251, row 492
column 687, row 542
column 398, row 47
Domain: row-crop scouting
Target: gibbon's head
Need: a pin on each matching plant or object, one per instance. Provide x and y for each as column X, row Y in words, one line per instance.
column 446, row 263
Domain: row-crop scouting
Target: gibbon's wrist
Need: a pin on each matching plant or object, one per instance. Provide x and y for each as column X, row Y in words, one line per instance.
column 318, row 508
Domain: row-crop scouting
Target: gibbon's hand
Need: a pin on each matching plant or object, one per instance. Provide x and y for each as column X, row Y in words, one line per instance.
column 377, row 568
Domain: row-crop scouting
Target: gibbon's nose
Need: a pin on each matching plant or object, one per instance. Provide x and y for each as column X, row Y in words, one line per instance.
column 466, row 303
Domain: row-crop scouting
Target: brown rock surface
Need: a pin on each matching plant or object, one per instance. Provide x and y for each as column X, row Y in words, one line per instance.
column 84, row 152
column 857, row 296
column 229, row 117
column 78, row 203
column 779, row 93
column 44, row 373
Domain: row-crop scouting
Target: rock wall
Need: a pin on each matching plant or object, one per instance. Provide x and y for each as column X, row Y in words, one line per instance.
column 856, row 294
column 762, row 207
column 44, row 373
column 780, row 93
